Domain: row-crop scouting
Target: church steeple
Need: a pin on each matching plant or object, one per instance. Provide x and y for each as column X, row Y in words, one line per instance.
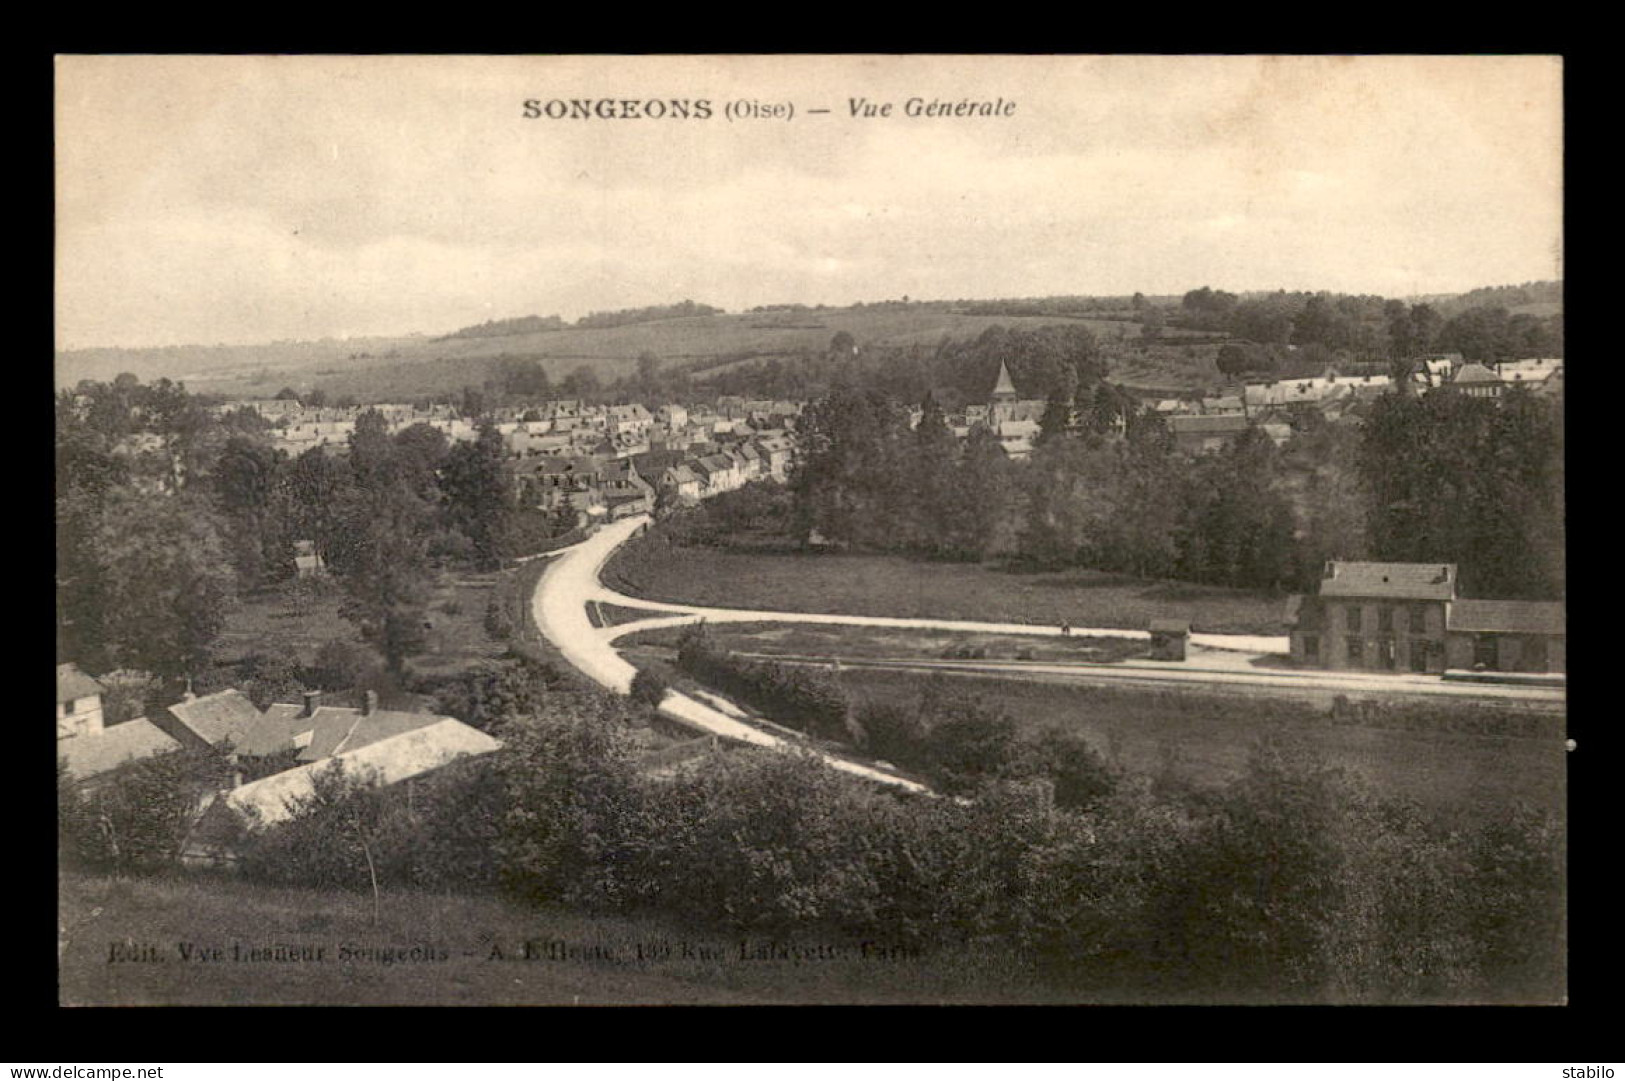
column 1004, row 390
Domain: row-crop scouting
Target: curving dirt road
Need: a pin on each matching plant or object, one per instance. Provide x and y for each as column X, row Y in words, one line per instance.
column 560, row 607
column 572, row 581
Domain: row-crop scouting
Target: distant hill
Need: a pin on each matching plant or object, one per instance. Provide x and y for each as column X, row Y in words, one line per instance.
column 1530, row 298
column 693, row 337
column 382, row 369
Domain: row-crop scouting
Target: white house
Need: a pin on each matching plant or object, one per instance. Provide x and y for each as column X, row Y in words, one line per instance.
column 78, row 703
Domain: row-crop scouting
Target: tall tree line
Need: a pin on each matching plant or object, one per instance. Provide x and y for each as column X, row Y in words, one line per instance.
column 1442, row 478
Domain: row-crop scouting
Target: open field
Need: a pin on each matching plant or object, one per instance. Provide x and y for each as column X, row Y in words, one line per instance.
column 575, row 959
column 879, row 585
column 1206, row 739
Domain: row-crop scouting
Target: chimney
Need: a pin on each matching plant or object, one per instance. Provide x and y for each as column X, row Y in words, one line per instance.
column 369, row 703
column 313, row 702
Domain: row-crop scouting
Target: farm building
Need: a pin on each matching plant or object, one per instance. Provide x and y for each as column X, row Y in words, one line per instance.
column 1507, row 636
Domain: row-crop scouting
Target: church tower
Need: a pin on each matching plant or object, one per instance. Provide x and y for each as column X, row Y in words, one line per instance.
column 1002, row 407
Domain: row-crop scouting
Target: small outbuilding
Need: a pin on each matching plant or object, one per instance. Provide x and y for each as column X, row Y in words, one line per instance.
column 1168, row 639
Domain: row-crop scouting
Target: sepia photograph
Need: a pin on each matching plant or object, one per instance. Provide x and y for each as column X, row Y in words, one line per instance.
column 810, row 530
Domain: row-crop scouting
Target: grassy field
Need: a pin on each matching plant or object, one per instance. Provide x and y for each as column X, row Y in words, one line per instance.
column 432, row 949
column 893, row 586
column 1206, row 739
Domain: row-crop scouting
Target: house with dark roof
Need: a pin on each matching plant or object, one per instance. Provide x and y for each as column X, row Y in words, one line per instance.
column 337, row 729
column 1382, row 616
column 78, row 703
column 217, row 720
column 1407, row 617
column 1477, row 381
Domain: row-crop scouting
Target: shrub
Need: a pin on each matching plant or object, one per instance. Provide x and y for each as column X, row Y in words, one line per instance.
column 649, row 688
column 796, row 697
column 439, row 831
column 498, row 622
column 1080, row 775
column 138, row 818
column 342, row 664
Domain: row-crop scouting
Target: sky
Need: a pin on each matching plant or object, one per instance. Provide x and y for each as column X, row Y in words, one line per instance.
column 239, row 200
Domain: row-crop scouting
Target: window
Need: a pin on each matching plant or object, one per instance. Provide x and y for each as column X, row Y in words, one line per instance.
column 1419, row 619
column 1311, row 647
column 1385, row 619
column 1357, row 650
column 1419, row 656
column 1354, row 617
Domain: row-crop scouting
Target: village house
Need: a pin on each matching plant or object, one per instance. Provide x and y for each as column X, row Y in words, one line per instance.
column 1533, row 374
column 92, row 760
column 78, row 703
column 1476, row 381
column 548, row 482
column 719, row 472
column 218, row 720
column 623, row 491
column 1381, row 616
column 683, row 481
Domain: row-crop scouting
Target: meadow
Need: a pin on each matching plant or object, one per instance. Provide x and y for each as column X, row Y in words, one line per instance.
column 879, row 585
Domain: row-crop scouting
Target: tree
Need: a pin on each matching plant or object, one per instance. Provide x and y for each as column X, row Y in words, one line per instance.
column 582, row 382
column 478, row 500
column 249, row 489
column 287, row 394
column 850, row 474
column 139, row 818
column 165, row 582
column 380, row 545
column 1056, row 421
column 842, row 344
column 1080, row 775
column 648, row 379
